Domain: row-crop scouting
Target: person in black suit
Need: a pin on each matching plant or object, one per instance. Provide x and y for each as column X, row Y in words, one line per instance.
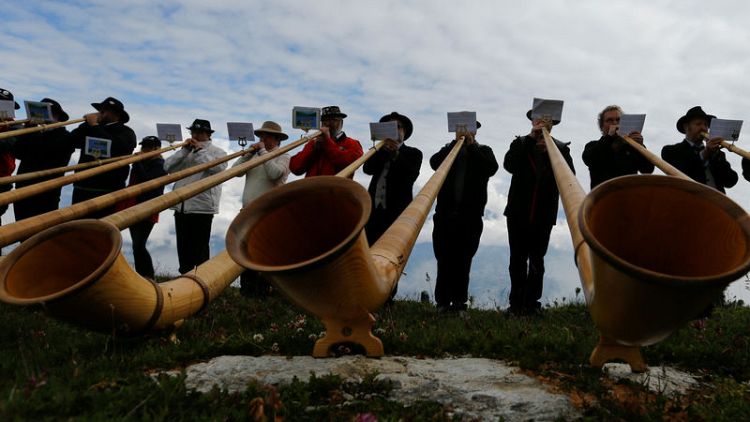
column 702, row 163
column 394, row 169
column 458, row 218
column 531, row 213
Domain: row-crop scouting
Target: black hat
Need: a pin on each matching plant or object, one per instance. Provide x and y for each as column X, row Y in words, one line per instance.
column 528, row 116
column 201, row 125
column 405, row 123
column 331, row 111
column 8, row 96
column 693, row 114
column 115, row 105
column 151, row 141
column 57, row 109
column 478, row 124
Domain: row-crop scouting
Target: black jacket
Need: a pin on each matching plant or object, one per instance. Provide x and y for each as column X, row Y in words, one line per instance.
column 604, row 163
column 399, row 181
column 479, row 165
column 123, row 143
column 42, row 151
column 685, row 159
column 746, row 169
column 144, row 171
column 533, row 194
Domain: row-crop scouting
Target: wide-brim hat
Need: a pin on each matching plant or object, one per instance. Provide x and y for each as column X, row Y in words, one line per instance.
column 151, row 141
column 693, row 114
column 405, row 123
column 57, row 109
column 200, row 125
column 272, row 128
column 113, row 104
column 528, row 116
column 8, row 96
column 331, row 111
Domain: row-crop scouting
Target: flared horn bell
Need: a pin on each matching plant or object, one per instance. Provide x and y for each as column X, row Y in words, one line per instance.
column 662, row 250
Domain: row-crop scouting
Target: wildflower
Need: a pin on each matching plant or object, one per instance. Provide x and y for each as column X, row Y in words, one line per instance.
column 312, row 337
column 275, row 347
column 274, row 327
column 258, row 338
column 403, row 337
column 379, row 331
column 300, row 330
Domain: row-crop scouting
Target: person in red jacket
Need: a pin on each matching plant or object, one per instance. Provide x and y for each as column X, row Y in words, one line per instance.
column 330, row 152
column 7, row 160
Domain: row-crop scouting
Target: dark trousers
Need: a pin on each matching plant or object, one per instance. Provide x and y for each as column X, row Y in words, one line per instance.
column 528, row 245
column 193, row 236
column 380, row 220
column 139, row 232
column 37, row 204
column 455, row 240
column 80, row 195
column 253, row 284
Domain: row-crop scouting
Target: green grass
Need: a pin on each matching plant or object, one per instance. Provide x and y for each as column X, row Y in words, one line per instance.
column 51, row 370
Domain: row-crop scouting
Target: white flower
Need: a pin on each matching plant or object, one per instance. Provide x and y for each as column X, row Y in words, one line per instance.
column 258, row 338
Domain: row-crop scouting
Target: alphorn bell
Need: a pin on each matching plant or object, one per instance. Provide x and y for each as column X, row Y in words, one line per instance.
column 653, row 252
column 307, row 237
column 89, row 283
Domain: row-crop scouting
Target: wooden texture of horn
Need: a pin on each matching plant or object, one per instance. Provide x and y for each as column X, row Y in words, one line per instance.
column 89, row 283
column 13, row 122
column 645, row 263
column 40, row 128
column 664, row 166
column 58, row 170
column 37, row 188
column 351, row 168
column 86, row 281
column 307, row 237
column 739, row 151
column 663, row 249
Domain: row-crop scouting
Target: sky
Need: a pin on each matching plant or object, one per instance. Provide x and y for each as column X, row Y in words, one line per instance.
column 251, row 61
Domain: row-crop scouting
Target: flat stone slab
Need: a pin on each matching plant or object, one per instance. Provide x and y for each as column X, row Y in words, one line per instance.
column 475, row 388
column 659, row 379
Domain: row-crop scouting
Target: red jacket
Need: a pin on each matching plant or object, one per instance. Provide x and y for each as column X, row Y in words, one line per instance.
column 326, row 159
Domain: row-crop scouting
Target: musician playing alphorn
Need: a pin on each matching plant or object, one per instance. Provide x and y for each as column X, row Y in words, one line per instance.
column 330, row 152
column 531, row 212
column 7, row 160
column 109, row 124
column 194, row 216
column 702, row 163
column 610, row 156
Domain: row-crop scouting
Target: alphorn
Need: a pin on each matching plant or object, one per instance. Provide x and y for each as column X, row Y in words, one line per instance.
column 14, row 122
column 351, row 168
column 729, row 146
column 662, row 165
column 37, row 188
column 19, row 132
column 85, row 279
column 307, row 237
column 653, row 252
column 58, row 170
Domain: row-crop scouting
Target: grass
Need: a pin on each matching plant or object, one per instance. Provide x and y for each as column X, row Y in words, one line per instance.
column 53, row 371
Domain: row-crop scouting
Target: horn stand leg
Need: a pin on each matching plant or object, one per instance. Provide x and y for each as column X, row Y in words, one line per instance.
column 608, row 350
column 358, row 331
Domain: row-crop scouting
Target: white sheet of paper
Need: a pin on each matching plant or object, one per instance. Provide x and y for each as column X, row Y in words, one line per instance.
column 543, row 109
column 385, row 130
column 170, row 132
column 239, row 130
column 305, row 118
column 727, row 129
column 98, row 147
column 631, row 123
column 37, row 111
column 462, row 118
column 7, row 110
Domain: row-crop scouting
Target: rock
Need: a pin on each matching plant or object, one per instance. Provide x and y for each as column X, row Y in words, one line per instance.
column 475, row 388
column 660, row 379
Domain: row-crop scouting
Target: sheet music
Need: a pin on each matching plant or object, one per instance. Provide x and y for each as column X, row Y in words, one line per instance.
column 305, row 118
column 462, row 118
column 170, row 132
column 7, row 110
column 385, row 130
column 543, row 109
column 98, row 147
column 631, row 123
column 239, row 130
column 727, row 129
column 38, row 112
